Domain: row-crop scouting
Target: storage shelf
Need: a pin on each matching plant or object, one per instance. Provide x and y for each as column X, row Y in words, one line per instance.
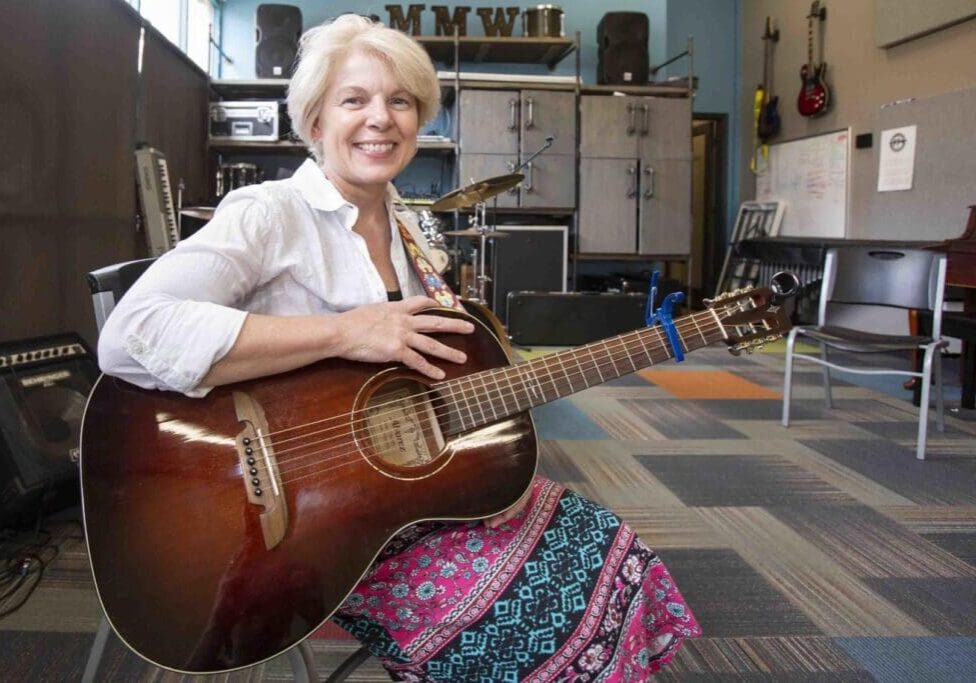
column 480, row 49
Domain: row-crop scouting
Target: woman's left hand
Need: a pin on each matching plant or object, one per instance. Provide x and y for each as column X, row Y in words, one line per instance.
column 510, row 513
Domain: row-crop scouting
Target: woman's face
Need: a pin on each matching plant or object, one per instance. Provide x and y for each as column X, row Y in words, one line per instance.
column 367, row 125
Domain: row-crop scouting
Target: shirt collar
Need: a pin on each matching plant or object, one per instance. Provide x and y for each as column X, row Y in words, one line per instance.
column 320, row 193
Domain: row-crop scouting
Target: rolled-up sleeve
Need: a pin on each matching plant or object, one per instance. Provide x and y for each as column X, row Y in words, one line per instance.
column 179, row 317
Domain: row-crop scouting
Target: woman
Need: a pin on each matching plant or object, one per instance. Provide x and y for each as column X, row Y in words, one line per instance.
column 290, row 272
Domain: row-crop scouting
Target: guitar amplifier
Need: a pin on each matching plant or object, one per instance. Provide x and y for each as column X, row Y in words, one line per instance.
column 249, row 120
column 571, row 319
column 44, row 385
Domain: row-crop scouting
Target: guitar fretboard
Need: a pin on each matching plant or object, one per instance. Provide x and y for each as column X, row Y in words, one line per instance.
column 486, row 397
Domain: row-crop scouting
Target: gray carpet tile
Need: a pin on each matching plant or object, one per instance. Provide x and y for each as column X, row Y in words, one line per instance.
column 962, row 545
column 740, row 481
column 946, row 606
column 678, row 419
column 895, row 467
column 730, row 599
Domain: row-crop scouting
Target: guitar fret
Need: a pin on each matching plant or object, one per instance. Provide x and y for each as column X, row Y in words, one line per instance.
column 582, row 372
column 596, row 364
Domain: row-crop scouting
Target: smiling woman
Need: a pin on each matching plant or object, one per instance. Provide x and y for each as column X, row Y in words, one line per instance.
column 537, row 583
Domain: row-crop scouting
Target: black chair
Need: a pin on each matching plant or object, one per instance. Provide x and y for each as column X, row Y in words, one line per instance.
column 107, row 286
column 873, row 276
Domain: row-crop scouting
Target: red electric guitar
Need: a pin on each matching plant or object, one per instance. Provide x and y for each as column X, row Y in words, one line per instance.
column 814, row 94
column 224, row 530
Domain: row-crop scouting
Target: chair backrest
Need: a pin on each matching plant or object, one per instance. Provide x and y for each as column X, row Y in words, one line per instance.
column 884, row 276
column 108, row 284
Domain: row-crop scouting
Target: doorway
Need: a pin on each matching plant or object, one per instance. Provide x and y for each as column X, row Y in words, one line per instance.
column 709, row 135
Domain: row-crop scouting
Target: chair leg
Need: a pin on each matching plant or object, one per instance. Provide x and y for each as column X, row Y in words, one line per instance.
column 923, row 409
column 788, row 380
column 939, row 397
column 302, row 663
column 828, row 398
column 97, row 650
column 350, row 664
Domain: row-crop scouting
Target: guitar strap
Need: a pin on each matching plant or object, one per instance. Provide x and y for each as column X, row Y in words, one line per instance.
column 432, row 281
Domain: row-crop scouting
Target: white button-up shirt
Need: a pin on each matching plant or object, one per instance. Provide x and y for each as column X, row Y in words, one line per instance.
column 279, row 248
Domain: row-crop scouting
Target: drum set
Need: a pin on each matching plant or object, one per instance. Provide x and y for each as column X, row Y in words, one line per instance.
column 474, row 195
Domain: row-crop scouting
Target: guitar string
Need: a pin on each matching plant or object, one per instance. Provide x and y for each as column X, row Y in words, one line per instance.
column 680, row 324
column 289, row 472
column 503, row 393
column 450, row 403
column 354, row 450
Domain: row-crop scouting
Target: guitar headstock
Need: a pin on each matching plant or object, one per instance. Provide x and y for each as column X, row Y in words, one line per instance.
column 750, row 317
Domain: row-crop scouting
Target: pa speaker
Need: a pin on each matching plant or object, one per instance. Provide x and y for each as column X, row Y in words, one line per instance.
column 530, row 257
column 44, row 385
column 571, row 319
column 278, row 29
column 622, row 54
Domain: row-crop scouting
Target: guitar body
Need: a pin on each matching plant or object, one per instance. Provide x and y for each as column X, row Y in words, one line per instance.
column 814, row 95
column 769, row 121
column 198, row 572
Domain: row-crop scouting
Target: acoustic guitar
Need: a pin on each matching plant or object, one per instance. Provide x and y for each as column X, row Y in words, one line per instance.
column 224, row 530
column 814, row 97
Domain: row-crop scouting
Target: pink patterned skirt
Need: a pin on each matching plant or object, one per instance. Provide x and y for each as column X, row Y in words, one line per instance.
column 563, row 592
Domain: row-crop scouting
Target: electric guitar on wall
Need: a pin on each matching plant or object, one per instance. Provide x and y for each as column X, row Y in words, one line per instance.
column 223, row 530
column 814, row 94
column 768, row 125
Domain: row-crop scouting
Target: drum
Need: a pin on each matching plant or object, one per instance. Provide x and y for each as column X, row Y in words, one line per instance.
column 232, row 176
column 430, row 226
column 440, row 259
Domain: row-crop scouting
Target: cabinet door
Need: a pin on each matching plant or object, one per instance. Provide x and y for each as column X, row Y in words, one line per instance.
column 550, row 182
column 489, row 121
column 477, row 167
column 664, row 125
column 665, row 207
column 608, row 206
column 608, row 127
column 546, row 113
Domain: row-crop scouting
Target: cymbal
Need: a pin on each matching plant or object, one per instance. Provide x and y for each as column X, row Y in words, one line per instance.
column 474, row 232
column 477, row 192
column 204, row 213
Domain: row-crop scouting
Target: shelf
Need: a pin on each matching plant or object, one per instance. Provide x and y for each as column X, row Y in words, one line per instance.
column 250, row 88
column 548, row 51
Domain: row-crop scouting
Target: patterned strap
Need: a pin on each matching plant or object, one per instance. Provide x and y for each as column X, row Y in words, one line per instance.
column 433, row 283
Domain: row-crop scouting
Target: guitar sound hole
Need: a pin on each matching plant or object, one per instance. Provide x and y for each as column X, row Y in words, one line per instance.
column 401, row 420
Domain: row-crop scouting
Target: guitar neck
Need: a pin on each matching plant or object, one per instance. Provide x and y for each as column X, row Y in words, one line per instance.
column 483, row 398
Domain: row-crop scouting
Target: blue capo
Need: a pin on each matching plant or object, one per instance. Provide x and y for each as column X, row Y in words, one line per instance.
column 663, row 315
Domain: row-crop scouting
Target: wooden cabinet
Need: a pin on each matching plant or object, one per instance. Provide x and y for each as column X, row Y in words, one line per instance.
column 635, row 175
column 500, row 129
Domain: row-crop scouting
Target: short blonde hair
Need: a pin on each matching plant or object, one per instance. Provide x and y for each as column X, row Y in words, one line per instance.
column 323, row 48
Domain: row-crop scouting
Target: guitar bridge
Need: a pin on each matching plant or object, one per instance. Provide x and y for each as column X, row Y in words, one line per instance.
column 261, row 477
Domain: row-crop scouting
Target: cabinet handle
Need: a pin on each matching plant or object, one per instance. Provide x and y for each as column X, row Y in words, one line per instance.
column 511, row 169
column 513, row 114
column 632, row 190
column 649, row 188
column 528, row 179
column 631, row 119
column 645, row 120
column 530, row 117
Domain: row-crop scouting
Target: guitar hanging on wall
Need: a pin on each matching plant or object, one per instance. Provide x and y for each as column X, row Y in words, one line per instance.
column 814, row 94
column 768, row 126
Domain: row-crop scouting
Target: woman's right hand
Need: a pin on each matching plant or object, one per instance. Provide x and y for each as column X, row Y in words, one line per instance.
column 397, row 331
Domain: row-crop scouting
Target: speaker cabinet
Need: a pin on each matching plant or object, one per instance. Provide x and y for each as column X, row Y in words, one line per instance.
column 532, row 257
column 558, row 319
column 278, row 29
column 44, row 386
column 622, row 54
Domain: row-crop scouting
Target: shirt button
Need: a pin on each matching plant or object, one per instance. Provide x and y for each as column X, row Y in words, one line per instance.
column 137, row 348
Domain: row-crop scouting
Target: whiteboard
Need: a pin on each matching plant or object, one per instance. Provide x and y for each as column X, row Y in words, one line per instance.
column 811, row 176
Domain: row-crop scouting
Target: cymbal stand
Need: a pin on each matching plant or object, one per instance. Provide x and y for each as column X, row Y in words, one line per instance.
column 480, row 276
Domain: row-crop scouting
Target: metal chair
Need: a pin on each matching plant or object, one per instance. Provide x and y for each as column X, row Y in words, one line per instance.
column 107, row 286
column 873, row 276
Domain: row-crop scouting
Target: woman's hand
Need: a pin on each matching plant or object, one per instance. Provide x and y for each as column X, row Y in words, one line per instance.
column 379, row 333
column 510, row 513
